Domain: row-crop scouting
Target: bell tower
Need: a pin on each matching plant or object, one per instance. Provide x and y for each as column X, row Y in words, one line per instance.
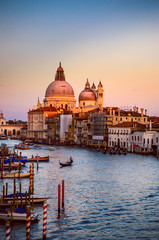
column 100, row 92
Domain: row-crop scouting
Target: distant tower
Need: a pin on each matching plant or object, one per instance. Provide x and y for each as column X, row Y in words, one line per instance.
column 100, row 92
column 38, row 104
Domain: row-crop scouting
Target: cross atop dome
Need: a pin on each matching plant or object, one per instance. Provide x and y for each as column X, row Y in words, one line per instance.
column 60, row 76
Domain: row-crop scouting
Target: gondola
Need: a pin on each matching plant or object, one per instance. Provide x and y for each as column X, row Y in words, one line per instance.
column 66, row 164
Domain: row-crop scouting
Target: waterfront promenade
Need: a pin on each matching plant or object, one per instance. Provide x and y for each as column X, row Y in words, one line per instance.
column 106, row 196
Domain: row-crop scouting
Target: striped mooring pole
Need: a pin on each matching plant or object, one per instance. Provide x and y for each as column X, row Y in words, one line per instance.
column 30, row 186
column 28, row 224
column 44, row 220
column 32, row 178
column 8, row 227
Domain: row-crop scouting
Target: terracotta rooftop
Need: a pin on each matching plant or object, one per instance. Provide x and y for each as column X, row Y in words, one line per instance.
column 130, row 124
column 44, row 109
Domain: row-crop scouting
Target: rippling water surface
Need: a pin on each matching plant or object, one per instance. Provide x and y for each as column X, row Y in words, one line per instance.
column 106, row 196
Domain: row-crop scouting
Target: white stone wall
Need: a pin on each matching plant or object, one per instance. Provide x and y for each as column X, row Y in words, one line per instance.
column 65, row 121
column 145, row 139
column 118, row 135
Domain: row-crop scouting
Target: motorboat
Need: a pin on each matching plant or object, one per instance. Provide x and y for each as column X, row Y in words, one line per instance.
column 22, row 197
column 16, row 175
column 40, row 159
column 22, row 146
column 18, row 214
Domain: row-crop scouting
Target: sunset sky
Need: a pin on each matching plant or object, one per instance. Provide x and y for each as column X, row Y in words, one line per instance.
column 115, row 41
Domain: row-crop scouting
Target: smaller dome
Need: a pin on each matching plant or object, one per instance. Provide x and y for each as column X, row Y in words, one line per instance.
column 87, row 95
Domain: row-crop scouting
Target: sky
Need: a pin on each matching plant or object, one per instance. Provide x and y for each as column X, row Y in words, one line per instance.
column 112, row 41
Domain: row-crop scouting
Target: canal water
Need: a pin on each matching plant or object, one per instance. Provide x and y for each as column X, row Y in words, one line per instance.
column 106, row 196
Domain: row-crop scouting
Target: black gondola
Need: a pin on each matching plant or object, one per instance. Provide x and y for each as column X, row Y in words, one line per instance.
column 66, row 164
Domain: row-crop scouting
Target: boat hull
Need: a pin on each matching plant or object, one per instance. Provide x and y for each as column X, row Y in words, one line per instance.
column 40, row 159
column 19, row 216
column 16, row 175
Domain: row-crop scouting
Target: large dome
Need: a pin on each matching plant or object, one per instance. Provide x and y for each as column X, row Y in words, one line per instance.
column 59, row 93
column 87, row 95
column 59, row 88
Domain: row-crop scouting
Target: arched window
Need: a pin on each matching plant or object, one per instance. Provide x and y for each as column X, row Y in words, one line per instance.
column 5, row 132
column 14, row 132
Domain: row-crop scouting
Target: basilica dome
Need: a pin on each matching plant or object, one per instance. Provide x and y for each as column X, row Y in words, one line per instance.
column 87, row 94
column 59, row 88
column 59, row 93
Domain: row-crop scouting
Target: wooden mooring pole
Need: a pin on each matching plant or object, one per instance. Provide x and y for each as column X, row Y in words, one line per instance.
column 59, row 196
column 63, row 192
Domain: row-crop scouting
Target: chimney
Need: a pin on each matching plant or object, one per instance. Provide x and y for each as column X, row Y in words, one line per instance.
column 142, row 112
column 145, row 112
column 118, row 112
column 113, row 112
column 110, row 111
column 137, row 109
column 150, row 125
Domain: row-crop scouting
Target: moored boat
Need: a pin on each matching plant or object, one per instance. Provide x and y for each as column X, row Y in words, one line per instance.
column 36, row 198
column 19, row 214
column 40, row 159
column 16, row 175
column 22, row 146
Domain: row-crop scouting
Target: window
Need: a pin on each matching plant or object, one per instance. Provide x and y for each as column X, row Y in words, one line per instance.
column 138, row 138
column 144, row 140
column 132, row 119
column 132, row 138
column 144, row 119
column 135, row 138
column 157, row 139
column 116, row 119
column 83, row 103
column 120, row 119
column 147, row 141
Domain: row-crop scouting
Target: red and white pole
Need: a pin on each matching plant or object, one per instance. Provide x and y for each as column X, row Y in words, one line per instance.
column 30, row 187
column 32, row 178
column 44, row 220
column 28, row 225
column 8, row 228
